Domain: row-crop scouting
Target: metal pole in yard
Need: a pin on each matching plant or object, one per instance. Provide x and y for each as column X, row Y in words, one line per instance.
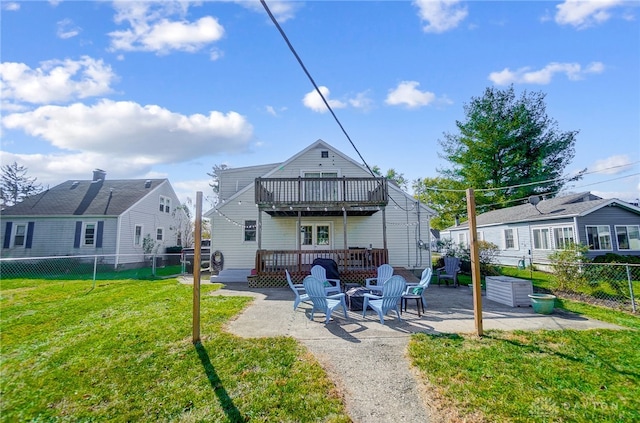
column 196, row 268
column 95, row 269
column 633, row 300
column 475, row 261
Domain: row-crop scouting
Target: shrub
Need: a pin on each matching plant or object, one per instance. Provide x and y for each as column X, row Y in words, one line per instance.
column 566, row 265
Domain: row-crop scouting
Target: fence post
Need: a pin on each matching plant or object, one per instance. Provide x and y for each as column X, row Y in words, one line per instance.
column 633, row 300
column 153, row 265
column 95, row 268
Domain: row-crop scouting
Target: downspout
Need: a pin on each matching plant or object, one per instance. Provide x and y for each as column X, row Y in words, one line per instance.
column 119, row 228
column 406, row 209
column 344, row 224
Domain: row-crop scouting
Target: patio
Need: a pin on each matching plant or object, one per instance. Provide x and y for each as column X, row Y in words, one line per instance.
column 367, row 360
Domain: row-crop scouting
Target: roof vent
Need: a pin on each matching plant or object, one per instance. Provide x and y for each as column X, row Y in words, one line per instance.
column 74, row 185
column 147, row 183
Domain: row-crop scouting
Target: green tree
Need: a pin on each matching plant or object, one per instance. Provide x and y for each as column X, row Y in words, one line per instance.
column 504, row 142
column 392, row 175
column 15, row 185
column 445, row 196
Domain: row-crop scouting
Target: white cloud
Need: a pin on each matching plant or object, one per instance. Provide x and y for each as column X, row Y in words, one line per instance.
column 612, row 165
column 55, row 80
column 145, row 135
column 583, row 14
column 152, row 30
column 361, row 101
column 573, row 71
column 313, row 101
column 66, row 29
column 11, row 6
column 282, row 10
column 440, row 15
column 407, row 94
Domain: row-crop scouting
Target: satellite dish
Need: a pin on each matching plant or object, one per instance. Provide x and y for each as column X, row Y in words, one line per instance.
column 534, row 200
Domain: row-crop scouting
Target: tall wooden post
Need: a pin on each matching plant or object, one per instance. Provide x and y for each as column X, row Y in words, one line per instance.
column 196, row 268
column 475, row 261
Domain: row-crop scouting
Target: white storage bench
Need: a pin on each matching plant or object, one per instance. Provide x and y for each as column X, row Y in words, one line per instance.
column 508, row 290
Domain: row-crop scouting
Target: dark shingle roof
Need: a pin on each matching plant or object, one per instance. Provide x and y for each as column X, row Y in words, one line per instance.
column 77, row 198
column 553, row 208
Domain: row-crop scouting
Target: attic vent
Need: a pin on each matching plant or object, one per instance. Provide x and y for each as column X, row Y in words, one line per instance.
column 74, row 185
column 324, row 154
column 147, row 183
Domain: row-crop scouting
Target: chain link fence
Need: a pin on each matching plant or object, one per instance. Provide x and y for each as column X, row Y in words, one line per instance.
column 606, row 284
column 98, row 267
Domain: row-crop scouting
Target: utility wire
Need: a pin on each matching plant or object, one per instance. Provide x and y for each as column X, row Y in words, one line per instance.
column 324, row 100
column 304, row 68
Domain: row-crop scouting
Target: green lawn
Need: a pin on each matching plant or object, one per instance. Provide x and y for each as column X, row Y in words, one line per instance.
column 123, row 352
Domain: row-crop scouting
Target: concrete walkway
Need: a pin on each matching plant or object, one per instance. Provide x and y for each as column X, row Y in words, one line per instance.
column 367, row 360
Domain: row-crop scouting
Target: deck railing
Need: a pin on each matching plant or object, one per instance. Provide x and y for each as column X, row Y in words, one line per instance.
column 354, row 265
column 321, row 191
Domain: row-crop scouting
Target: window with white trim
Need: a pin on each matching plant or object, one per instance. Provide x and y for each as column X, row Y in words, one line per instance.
column 462, row 239
column 89, row 239
column 541, row 239
column 510, row 242
column 563, row 237
column 165, row 204
column 628, row 237
column 250, row 230
column 20, row 235
column 599, row 237
column 137, row 236
column 159, row 234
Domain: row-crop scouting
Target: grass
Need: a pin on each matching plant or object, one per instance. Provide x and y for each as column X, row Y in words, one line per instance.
column 537, row 376
column 123, row 352
column 542, row 376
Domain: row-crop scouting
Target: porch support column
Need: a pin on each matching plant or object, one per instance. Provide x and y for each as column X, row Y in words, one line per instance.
column 259, row 229
column 384, row 228
column 298, row 230
column 344, row 224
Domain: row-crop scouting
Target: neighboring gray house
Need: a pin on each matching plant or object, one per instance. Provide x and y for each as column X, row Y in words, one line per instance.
column 318, row 203
column 91, row 217
column 533, row 231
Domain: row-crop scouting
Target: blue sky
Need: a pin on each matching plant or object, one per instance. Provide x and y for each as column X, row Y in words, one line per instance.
column 169, row 89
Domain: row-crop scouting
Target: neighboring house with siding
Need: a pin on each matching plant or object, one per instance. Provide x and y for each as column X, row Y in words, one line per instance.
column 534, row 231
column 93, row 217
column 318, row 203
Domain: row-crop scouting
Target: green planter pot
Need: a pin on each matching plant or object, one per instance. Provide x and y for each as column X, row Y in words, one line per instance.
column 543, row 303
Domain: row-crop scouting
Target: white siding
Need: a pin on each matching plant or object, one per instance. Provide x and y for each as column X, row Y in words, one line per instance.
column 403, row 231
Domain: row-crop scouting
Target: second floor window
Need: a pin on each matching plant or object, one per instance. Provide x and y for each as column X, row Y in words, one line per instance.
column 159, row 234
column 165, row 204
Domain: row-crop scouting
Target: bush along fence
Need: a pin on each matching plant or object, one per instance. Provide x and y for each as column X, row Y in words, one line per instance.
column 97, row 267
column 612, row 285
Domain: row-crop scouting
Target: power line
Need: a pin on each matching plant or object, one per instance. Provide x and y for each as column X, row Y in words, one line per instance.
column 324, row 100
column 304, row 68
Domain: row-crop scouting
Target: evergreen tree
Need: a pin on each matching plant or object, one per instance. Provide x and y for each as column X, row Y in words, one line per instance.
column 504, row 142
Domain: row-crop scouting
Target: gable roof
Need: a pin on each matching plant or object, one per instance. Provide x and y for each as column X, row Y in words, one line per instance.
column 567, row 206
column 273, row 168
column 86, row 198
